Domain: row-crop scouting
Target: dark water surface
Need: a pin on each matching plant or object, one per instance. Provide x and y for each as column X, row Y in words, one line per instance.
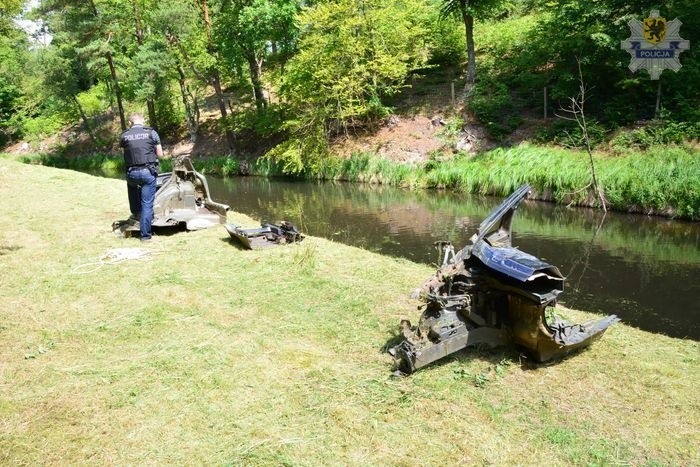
column 646, row 270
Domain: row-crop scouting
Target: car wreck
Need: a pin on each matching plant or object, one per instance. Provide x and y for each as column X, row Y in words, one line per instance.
column 266, row 236
column 491, row 293
column 182, row 198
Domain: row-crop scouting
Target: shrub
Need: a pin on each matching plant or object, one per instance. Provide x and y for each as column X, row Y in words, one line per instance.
column 656, row 133
column 568, row 133
column 93, row 101
column 264, row 123
column 492, row 104
column 449, row 134
column 42, row 126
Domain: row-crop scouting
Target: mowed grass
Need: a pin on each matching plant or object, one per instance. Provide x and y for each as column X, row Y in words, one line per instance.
column 208, row 354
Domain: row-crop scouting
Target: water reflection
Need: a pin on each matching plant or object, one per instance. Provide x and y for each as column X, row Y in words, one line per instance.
column 643, row 269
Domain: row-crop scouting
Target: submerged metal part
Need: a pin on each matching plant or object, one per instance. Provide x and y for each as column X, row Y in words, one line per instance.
column 182, row 197
column 266, row 236
column 492, row 293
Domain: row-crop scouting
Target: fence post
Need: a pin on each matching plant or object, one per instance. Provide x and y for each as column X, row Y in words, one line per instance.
column 545, row 102
column 452, row 86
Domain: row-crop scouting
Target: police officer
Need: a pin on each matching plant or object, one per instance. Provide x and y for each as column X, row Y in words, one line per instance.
column 142, row 149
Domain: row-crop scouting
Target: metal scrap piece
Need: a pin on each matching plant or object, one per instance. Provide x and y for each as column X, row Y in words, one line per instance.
column 182, row 197
column 492, row 293
column 266, row 236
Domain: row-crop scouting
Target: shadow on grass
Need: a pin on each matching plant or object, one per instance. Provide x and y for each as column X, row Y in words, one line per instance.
column 235, row 243
column 6, row 249
column 496, row 358
column 157, row 231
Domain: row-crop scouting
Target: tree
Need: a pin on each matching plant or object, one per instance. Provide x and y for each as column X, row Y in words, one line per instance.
column 352, row 53
column 64, row 76
column 592, row 31
column 146, row 57
column 13, row 53
column 9, row 95
column 187, row 28
column 151, row 70
column 213, row 70
column 9, row 9
column 576, row 111
column 250, row 30
column 93, row 31
column 466, row 10
column 179, row 25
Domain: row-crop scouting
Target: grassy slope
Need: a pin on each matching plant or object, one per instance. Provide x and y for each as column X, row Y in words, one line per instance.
column 210, row 354
column 661, row 181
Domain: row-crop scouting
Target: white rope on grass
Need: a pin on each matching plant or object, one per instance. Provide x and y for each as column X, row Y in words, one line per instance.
column 115, row 256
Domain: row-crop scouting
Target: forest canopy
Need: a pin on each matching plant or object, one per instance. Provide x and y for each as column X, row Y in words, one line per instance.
column 301, row 73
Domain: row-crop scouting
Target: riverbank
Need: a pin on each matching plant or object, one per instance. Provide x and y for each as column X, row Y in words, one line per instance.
column 661, row 181
column 209, row 354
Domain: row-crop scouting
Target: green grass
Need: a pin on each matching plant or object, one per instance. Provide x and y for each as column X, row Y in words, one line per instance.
column 660, row 181
column 208, row 354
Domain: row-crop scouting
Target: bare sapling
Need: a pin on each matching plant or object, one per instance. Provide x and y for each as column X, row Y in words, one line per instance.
column 575, row 112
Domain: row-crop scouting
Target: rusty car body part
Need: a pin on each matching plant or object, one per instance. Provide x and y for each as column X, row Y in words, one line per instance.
column 492, row 293
column 266, row 236
column 182, row 197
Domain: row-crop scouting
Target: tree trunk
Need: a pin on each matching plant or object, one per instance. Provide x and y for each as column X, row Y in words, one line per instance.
column 112, row 72
column 152, row 113
column 117, row 90
column 86, row 122
column 207, row 20
column 658, row 99
column 215, row 75
column 139, row 39
column 216, row 82
column 191, row 110
column 255, row 66
column 469, row 33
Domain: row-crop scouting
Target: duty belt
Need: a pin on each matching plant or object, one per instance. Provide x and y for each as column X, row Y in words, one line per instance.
column 137, row 166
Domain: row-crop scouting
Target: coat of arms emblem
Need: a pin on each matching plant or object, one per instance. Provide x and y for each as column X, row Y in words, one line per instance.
column 654, row 29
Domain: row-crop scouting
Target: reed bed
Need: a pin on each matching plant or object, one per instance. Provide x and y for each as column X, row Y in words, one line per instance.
column 660, row 181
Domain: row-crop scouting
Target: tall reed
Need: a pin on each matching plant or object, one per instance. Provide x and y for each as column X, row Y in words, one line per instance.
column 662, row 180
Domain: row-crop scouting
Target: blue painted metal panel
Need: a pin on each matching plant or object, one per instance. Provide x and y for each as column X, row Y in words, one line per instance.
column 510, row 261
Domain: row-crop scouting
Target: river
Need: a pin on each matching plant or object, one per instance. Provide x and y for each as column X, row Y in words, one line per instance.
column 644, row 269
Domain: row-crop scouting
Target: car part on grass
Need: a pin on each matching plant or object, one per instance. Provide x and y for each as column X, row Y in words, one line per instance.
column 492, row 293
column 267, row 235
column 182, row 197
column 162, row 179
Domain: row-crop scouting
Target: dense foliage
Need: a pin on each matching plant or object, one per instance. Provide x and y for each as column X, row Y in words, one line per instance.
column 350, row 56
column 300, row 73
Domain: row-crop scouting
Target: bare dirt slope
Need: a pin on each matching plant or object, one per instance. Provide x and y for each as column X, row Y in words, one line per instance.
column 415, row 130
column 405, row 139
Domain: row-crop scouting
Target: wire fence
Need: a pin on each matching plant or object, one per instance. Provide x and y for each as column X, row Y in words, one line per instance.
column 432, row 97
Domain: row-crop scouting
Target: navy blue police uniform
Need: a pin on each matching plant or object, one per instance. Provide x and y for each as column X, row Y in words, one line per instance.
column 141, row 162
